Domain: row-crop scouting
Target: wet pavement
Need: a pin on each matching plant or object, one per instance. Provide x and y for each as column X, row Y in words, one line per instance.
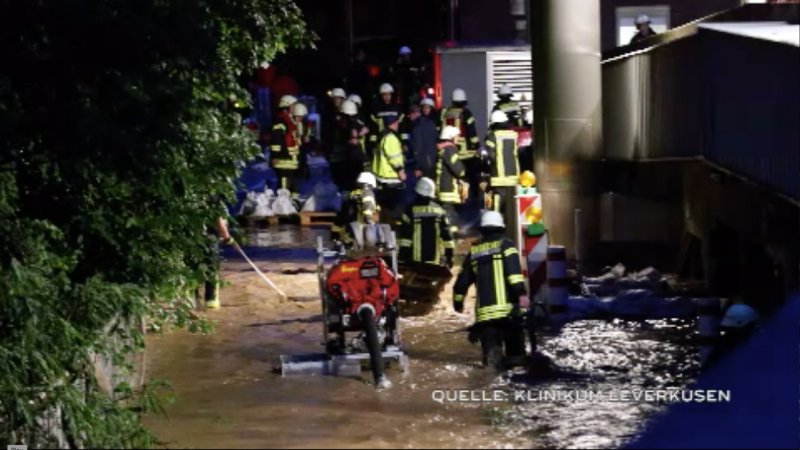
column 229, row 397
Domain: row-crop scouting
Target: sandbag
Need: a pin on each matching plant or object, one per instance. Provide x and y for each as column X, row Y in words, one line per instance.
column 249, row 205
column 283, row 205
column 264, row 208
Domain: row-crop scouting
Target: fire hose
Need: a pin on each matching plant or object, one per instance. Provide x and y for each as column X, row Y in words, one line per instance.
column 258, row 271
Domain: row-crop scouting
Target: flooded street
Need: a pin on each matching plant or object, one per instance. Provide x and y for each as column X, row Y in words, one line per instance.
column 228, row 395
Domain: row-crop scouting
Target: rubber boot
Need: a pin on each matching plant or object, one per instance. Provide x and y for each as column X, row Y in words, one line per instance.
column 212, row 295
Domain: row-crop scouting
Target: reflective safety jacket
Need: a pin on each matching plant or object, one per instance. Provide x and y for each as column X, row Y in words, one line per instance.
column 512, row 110
column 449, row 169
column 387, row 160
column 501, row 145
column 494, row 267
column 283, row 147
column 303, row 132
column 462, row 119
column 379, row 115
column 358, row 206
column 424, row 232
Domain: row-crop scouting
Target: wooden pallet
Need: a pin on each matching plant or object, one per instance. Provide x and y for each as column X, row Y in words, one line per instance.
column 316, row 218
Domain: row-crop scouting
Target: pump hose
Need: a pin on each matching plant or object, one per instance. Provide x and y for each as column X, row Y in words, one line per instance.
column 373, row 345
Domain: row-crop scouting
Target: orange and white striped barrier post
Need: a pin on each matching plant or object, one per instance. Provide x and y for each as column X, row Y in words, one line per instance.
column 557, row 282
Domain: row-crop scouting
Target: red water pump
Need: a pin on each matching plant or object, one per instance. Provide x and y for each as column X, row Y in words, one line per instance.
column 365, row 281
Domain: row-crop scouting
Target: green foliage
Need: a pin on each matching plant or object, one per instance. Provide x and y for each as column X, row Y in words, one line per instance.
column 113, row 149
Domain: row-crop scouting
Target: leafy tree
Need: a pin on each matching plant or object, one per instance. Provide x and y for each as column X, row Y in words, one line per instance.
column 112, row 146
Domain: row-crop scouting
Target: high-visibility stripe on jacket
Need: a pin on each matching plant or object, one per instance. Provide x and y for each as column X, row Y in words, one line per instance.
column 358, row 206
column 449, row 169
column 494, row 268
column 382, row 112
column 424, row 233
column 502, row 148
column 462, row 119
column 283, row 147
column 388, row 159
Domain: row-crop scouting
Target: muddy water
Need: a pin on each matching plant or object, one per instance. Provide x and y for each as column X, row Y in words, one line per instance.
column 229, row 397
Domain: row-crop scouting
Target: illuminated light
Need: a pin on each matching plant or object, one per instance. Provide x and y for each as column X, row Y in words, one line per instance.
column 430, row 91
column 374, row 71
column 533, row 214
column 527, row 179
column 330, row 93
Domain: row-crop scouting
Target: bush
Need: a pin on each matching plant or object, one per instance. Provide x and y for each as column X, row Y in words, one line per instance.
column 112, row 146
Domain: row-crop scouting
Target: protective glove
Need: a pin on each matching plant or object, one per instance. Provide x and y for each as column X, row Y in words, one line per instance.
column 228, row 241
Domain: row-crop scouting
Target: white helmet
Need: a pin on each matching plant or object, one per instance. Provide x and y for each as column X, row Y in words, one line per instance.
column 504, row 90
column 459, row 95
column 449, row 133
column 643, row 19
column 338, row 92
column 355, row 99
column 405, row 51
column 492, row 219
column 349, row 108
column 739, row 316
column 299, row 110
column 367, row 178
column 426, row 188
column 529, row 116
column 387, row 88
column 287, row 101
column 499, row 117
column 428, row 102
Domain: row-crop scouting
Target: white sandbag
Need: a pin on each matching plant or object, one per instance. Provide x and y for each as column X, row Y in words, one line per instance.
column 270, row 196
column 310, row 205
column 249, row 205
column 649, row 274
column 263, row 209
column 283, row 205
column 611, row 276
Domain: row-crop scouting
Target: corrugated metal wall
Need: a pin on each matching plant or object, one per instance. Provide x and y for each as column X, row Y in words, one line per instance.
column 731, row 100
column 753, row 91
column 652, row 103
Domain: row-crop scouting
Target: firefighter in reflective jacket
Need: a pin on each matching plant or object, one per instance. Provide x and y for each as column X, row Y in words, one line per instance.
column 285, row 150
column 359, row 206
column 388, row 166
column 509, row 106
column 425, row 229
column 502, row 159
column 302, row 135
column 386, row 109
column 493, row 266
column 449, row 170
column 460, row 116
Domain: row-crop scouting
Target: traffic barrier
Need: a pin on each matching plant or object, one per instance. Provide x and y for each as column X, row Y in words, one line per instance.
column 709, row 318
column 537, row 268
column 557, row 281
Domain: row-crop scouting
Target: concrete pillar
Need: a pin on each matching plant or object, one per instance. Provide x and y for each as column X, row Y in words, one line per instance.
column 565, row 41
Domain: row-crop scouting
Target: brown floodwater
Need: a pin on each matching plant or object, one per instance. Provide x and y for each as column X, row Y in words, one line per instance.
column 228, row 395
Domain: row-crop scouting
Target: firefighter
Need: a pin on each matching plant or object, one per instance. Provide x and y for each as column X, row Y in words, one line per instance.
column 493, row 266
column 449, row 171
column 385, row 109
column 212, row 282
column 359, row 207
column 388, row 166
column 283, row 146
column 332, row 117
column 302, row 135
column 503, row 165
column 425, row 229
column 349, row 157
column 645, row 31
column 509, row 106
column 460, row 116
column 429, row 110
